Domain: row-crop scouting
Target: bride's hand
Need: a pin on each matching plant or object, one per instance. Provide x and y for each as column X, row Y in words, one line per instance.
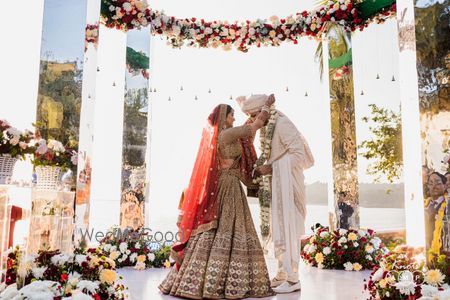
column 270, row 100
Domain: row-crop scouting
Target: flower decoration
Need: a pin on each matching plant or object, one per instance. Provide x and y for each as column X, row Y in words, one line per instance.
column 350, row 14
column 351, row 250
column 131, row 248
column 53, row 153
column 87, row 272
column 13, row 142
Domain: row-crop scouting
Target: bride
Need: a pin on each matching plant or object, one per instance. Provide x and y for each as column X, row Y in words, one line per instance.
column 219, row 255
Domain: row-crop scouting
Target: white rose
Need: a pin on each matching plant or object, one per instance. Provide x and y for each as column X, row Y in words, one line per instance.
column 348, row 266
column 368, row 257
column 342, row 231
column 112, row 8
column 127, row 6
column 361, row 232
column 376, row 242
column 74, row 278
column 128, row 252
column 124, row 257
column 208, row 30
column 326, row 250
column 137, row 245
column 80, row 258
column 355, row 244
column 343, row 7
column 342, row 240
column 39, row 272
column 323, row 234
column 123, row 247
column 133, row 257
column 311, row 249
column 151, row 257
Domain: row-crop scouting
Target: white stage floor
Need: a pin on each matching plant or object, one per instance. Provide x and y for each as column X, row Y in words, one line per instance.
column 316, row 284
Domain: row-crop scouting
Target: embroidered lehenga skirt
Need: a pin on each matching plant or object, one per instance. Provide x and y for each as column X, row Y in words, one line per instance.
column 226, row 262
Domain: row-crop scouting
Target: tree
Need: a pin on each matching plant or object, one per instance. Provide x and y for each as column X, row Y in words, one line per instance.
column 385, row 148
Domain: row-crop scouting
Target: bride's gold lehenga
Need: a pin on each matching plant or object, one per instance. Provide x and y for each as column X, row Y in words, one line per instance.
column 226, row 261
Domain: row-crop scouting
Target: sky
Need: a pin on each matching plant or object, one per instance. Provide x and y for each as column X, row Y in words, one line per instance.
column 176, row 125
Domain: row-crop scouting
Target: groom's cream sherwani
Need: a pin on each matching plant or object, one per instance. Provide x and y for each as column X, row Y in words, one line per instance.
column 290, row 155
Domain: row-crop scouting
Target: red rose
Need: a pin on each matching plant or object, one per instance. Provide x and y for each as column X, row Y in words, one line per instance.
column 64, row 277
column 127, row 19
column 305, row 14
column 96, row 297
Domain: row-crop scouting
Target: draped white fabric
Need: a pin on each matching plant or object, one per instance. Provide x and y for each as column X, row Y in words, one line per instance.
column 288, row 214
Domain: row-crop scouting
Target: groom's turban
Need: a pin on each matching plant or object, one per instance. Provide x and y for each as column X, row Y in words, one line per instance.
column 252, row 104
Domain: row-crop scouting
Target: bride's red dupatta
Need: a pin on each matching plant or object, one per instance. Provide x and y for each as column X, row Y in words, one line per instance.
column 200, row 208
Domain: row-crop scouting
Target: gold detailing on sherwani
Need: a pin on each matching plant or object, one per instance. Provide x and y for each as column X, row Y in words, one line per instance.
column 227, row 260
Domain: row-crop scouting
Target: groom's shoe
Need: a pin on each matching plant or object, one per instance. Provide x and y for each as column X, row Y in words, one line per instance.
column 287, row 287
column 275, row 282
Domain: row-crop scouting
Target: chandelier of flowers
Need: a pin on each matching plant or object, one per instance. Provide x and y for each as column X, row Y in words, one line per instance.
column 350, row 14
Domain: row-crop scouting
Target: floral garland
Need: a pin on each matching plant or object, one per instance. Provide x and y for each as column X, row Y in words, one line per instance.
column 130, row 248
column 352, row 250
column 129, row 14
column 436, row 243
column 264, row 193
column 88, row 273
column 404, row 275
column 91, row 36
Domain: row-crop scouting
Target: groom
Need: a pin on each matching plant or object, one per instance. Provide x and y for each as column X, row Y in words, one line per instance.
column 289, row 156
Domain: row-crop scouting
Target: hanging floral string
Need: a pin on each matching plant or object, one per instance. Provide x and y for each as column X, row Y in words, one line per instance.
column 350, row 14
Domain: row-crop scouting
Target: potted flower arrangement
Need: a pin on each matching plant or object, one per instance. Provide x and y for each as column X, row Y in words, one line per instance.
column 50, row 160
column 14, row 144
column 56, row 275
column 351, row 250
column 404, row 275
column 130, row 248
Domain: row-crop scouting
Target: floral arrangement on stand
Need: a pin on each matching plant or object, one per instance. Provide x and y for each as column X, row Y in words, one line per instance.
column 130, row 248
column 264, row 193
column 87, row 274
column 351, row 250
column 53, row 153
column 350, row 14
column 14, row 142
column 91, row 36
column 404, row 275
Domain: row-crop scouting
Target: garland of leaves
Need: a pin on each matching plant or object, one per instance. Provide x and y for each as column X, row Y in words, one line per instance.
column 350, row 14
column 137, row 62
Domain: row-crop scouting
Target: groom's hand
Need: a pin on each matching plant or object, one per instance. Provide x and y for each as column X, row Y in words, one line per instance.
column 263, row 170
